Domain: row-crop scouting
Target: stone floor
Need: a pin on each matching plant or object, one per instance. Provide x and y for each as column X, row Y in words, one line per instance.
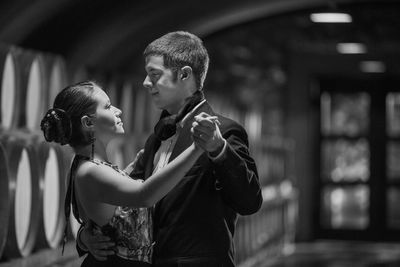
column 338, row 254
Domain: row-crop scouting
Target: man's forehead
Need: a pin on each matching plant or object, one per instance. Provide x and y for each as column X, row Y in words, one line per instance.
column 154, row 62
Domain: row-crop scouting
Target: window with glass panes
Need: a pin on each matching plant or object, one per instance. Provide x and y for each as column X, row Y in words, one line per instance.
column 359, row 181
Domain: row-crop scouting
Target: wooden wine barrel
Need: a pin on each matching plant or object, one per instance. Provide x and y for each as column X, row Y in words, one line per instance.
column 35, row 100
column 154, row 113
column 79, row 75
column 74, row 225
column 140, row 112
column 24, row 216
column 32, row 89
column 52, row 194
column 112, row 91
column 4, row 198
column 58, row 78
column 10, row 96
column 127, row 106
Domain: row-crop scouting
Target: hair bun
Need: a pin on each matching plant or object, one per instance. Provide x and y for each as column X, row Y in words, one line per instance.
column 56, row 126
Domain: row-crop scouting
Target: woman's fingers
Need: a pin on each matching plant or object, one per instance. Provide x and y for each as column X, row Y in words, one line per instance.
column 206, row 119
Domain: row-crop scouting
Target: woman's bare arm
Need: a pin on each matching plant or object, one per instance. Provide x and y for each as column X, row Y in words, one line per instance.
column 102, row 183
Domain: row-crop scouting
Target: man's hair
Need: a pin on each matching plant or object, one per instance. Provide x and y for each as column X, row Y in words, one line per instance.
column 180, row 49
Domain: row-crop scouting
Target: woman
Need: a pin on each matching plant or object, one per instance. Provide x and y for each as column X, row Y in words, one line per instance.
column 101, row 194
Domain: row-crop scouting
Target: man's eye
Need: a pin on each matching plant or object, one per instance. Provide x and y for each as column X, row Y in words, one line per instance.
column 154, row 77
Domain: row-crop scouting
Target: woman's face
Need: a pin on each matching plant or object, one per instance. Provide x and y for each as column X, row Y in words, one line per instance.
column 108, row 118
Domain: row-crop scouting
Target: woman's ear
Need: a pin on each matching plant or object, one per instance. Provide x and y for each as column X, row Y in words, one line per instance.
column 87, row 122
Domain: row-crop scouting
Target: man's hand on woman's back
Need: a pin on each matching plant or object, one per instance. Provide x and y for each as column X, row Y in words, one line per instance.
column 99, row 246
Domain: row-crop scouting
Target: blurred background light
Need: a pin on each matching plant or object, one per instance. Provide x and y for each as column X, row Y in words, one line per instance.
column 372, row 66
column 330, row 18
column 351, row 48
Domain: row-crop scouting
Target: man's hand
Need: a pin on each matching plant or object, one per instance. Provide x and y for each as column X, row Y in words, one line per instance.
column 99, row 246
column 206, row 133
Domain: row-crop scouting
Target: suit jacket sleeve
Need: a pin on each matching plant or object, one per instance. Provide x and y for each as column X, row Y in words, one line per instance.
column 237, row 174
column 80, row 251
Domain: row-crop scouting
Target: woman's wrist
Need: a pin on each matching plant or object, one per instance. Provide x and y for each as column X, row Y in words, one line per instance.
column 197, row 149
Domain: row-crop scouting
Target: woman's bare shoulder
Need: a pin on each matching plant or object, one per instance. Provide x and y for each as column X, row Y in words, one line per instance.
column 89, row 170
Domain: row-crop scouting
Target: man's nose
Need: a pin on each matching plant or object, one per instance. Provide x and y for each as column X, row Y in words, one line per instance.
column 147, row 83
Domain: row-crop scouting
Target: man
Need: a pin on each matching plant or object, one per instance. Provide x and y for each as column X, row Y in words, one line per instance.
column 194, row 224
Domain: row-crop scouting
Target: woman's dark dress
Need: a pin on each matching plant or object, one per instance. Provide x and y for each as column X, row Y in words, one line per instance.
column 131, row 230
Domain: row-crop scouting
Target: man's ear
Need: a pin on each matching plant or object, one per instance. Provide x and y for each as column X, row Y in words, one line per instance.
column 186, row 72
column 87, row 122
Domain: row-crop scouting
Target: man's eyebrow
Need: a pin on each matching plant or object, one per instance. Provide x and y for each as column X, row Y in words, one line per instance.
column 153, row 69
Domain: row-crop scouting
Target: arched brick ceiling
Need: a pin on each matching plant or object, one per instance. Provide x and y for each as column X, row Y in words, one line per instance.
column 110, row 35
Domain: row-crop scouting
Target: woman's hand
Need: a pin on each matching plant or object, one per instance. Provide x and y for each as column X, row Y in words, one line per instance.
column 206, row 133
column 132, row 165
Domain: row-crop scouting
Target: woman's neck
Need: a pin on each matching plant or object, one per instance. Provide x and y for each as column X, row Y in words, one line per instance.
column 99, row 151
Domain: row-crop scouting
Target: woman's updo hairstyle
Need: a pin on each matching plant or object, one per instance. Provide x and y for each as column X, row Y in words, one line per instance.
column 62, row 123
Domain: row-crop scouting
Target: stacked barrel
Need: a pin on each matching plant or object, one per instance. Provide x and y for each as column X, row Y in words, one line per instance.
column 32, row 174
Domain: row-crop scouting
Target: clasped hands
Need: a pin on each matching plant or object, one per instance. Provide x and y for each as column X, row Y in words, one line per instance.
column 206, row 133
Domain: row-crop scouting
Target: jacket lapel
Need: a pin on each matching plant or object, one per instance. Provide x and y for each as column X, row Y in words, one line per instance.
column 185, row 136
column 152, row 147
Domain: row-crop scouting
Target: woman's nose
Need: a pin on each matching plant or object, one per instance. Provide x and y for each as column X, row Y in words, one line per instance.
column 118, row 112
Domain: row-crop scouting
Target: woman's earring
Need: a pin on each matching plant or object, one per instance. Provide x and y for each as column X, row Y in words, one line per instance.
column 92, row 139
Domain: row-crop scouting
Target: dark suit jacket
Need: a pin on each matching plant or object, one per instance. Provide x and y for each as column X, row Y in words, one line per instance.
column 197, row 218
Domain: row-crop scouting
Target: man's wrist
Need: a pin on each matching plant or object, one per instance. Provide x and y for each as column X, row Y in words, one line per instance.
column 215, row 155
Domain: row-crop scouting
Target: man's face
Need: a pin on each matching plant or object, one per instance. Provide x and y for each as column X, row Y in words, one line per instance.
column 165, row 89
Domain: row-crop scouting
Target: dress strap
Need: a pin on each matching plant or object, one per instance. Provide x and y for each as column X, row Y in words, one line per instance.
column 70, row 198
